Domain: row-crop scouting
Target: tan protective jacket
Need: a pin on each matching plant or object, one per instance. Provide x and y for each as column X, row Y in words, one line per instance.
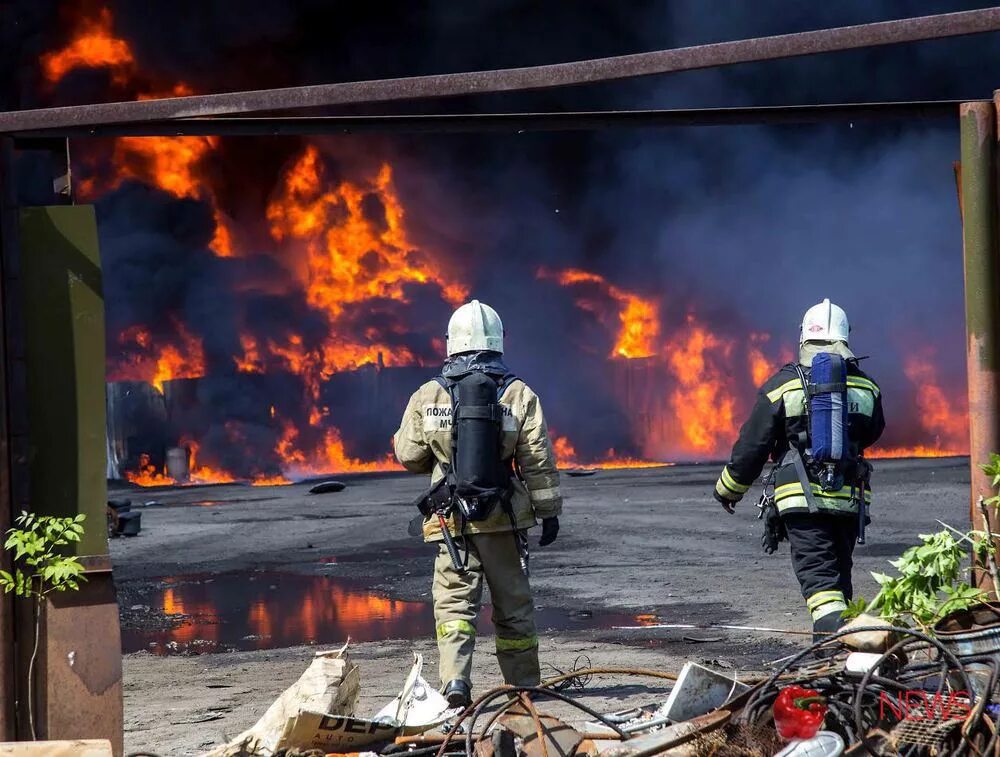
column 423, row 444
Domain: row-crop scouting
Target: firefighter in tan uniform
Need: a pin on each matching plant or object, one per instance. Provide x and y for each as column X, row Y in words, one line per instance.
column 488, row 531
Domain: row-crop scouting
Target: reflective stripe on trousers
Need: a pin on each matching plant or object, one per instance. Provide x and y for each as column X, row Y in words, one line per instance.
column 516, row 645
column 493, row 561
column 822, row 603
column 455, row 626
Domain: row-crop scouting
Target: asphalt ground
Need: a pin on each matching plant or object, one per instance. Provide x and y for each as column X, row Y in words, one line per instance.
column 229, row 590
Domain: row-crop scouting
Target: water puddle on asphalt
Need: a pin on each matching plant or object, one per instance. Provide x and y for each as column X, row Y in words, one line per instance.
column 247, row 611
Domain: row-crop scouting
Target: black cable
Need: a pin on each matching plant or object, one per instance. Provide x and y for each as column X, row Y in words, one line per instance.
column 948, row 663
column 478, row 711
column 581, row 663
column 401, row 749
column 975, row 718
column 946, row 654
column 507, row 690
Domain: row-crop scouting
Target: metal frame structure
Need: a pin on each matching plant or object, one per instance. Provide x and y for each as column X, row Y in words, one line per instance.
column 239, row 113
column 455, row 123
column 513, row 79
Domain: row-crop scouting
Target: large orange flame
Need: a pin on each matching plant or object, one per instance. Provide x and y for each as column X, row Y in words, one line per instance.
column 174, row 164
column 328, row 457
column 638, row 319
column 204, row 474
column 938, row 415
column 183, row 357
column 222, row 240
column 564, row 450
column 945, row 421
column 184, row 361
column 357, row 249
column 761, row 366
column 148, row 474
column 93, row 45
column 166, row 162
column 702, row 400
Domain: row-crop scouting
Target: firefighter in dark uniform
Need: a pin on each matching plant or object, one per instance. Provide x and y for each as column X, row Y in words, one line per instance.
column 822, row 524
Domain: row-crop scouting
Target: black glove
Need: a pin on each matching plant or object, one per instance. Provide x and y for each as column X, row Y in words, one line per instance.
column 550, row 530
column 774, row 531
column 726, row 503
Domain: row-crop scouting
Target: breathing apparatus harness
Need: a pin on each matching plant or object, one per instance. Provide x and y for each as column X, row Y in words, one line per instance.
column 476, row 478
column 824, row 449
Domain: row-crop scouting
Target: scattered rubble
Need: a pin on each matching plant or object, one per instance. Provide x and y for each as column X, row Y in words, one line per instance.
column 869, row 689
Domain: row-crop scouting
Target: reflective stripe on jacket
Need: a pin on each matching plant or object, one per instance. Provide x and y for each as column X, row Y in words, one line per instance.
column 775, row 423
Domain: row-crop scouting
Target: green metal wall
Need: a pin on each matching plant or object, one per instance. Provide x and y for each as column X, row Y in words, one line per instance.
column 63, row 310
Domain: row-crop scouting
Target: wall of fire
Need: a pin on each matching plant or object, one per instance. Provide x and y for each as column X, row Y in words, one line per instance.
column 271, row 303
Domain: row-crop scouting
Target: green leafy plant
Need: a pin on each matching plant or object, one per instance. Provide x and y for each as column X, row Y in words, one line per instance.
column 40, row 568
column 930, row 582
column 992, row 469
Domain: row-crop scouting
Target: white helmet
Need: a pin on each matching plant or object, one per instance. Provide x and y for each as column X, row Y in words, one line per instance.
column 475, row 326
column 825, row 322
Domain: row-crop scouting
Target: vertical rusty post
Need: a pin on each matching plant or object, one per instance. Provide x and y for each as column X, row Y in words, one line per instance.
column 982, row 296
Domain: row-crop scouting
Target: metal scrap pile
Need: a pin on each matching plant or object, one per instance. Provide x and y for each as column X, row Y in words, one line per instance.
column 869, row 689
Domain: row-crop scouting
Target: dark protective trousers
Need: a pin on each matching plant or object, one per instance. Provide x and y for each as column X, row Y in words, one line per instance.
column 822, row 557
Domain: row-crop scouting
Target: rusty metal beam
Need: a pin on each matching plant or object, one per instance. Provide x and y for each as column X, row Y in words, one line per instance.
column 513, row 79
column 452, row 123
column 982, row 297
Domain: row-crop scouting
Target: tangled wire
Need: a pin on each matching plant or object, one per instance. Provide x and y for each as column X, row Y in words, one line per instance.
column 521, row 695
column 856, row 703
column 579, row 678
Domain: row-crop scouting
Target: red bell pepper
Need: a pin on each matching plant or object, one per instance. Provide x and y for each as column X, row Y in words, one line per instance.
column 799, row 712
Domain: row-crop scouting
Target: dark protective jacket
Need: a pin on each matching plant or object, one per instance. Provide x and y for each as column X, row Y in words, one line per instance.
column 777, row 419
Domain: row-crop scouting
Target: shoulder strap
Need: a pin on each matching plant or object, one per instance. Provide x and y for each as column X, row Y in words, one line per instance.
column 449, row 386
column 449, row 468
column 805, row 393
column 507, row 380
column 794, row 455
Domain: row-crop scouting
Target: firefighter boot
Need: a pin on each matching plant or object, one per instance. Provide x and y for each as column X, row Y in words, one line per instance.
column 458, row 693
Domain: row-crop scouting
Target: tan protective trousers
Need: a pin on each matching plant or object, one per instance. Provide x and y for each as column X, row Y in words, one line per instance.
column 458, row 597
